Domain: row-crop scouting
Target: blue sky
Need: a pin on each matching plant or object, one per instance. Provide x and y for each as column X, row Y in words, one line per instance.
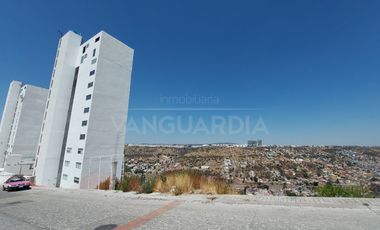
column 310, row 68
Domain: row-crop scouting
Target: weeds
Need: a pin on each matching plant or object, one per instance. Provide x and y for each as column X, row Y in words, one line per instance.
column 104, row 185
column 176, row 182
column 130, row 183
column 189, row 181
column 211, row 185
column 340, row 191
column 148, row 185
column 136, row 183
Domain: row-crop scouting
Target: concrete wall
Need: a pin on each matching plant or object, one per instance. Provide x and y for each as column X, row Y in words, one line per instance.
column 7, row 118
column 51, row 142
column 19, row 164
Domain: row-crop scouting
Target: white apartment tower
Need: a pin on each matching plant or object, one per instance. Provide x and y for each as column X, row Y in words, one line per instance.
column 20, row 127
column 82, row 138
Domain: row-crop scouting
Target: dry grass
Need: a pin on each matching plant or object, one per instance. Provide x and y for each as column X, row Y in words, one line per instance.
column 209, row 185
column 134, row 184
column 180, row 182
column 131, row 183
column 140, row 184
column 104, row 185
column 175, row 182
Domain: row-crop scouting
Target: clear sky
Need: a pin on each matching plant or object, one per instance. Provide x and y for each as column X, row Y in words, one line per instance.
column 308, row 70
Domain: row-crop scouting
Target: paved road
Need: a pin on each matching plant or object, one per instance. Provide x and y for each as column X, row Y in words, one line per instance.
column 42, row 208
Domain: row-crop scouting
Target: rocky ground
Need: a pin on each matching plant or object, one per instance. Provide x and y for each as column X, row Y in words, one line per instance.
column 266, row 170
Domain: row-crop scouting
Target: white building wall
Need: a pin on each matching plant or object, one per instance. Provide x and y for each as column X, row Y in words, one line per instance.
column 57, row 107
column 26, row 129
column 103, row 145
column 16, row 118
column 73, row 143
column 7, row 118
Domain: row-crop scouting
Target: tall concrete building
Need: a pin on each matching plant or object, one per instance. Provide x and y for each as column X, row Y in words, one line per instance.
column 20, row 127
column 82, row 138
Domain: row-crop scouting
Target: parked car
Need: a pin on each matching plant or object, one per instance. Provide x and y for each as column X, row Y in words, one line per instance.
column 16, row 182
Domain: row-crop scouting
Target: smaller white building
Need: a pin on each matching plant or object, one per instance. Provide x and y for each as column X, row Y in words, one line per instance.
column 20, row 127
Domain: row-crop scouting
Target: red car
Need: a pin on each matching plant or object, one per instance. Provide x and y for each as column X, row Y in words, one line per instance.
column 15, row 183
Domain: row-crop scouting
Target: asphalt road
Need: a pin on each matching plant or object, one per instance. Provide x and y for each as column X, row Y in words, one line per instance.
column 41, row 208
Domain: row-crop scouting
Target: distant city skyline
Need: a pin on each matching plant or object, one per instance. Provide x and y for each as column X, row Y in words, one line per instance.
column 309, row 70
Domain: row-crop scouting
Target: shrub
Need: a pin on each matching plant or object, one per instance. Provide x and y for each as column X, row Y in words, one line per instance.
column 124, row 185
column 104, row 185
column 148, row 185
column 130, row 183
column 136, row 183
column 289, row 192
column 330, row 190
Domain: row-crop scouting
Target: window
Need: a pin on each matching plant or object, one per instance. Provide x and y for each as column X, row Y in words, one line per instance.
column 93, row 61
column 86, row 110
column 68, row 150
column 97, row 39
column 80, row 150
column 92, row 72
column 64, row 176
column 84, row 48
column 84, row 123
column 67, row 163
column 15, row 179
column 82, row 136
column 76, row 180
column 94, row 52
column 78, row 165
column 91, row 84
column 83, row 57
column 88, row 97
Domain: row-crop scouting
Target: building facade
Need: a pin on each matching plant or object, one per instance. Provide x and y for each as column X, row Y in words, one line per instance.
column 20, row 127
column 83, row 134
column 255, row 143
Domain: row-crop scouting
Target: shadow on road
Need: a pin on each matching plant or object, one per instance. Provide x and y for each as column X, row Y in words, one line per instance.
column 106, row 227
